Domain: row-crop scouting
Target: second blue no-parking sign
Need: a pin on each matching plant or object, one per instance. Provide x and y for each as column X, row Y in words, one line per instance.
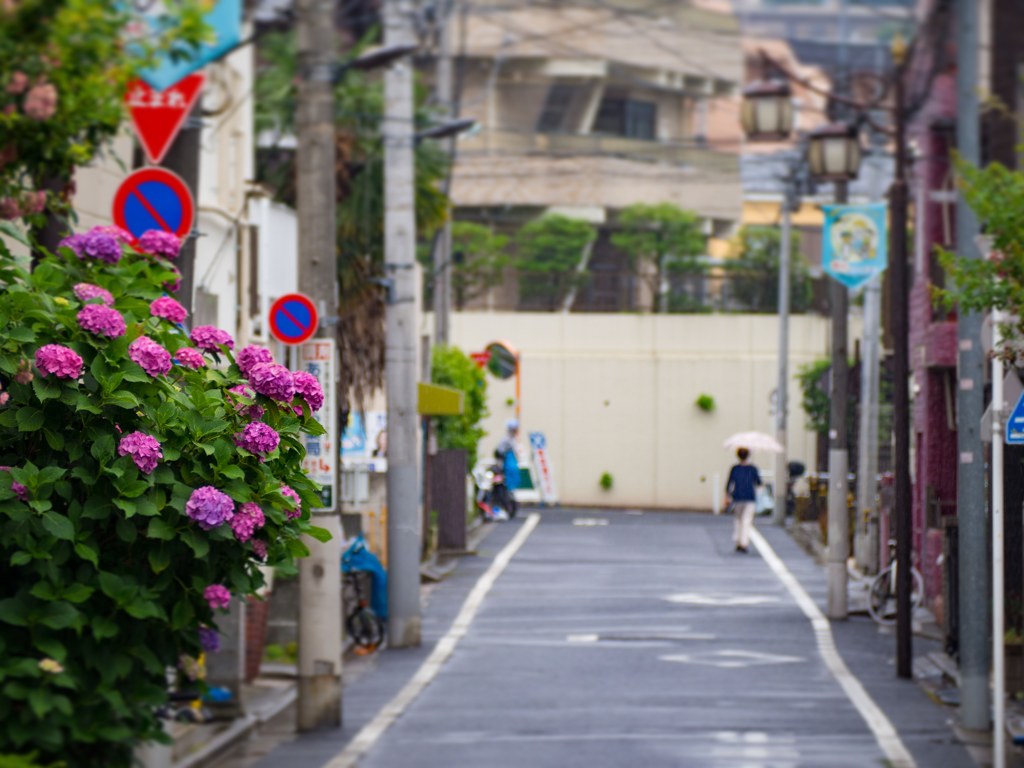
column 293, row 318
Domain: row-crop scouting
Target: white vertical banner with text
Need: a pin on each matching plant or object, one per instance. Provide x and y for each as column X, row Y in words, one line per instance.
column 317, row 357
column 542, row 463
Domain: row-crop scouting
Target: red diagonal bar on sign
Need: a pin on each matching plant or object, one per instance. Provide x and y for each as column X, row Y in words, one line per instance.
column 151, row 210
column 291, row 317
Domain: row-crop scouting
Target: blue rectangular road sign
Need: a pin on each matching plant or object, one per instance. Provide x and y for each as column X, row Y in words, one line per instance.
column 1015, row 424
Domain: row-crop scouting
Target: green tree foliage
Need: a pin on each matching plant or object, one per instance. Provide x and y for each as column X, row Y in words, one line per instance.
column 64, row 66
column 479, row 257
column 657, row 239
column 104, row 560
column 755, row 271
column 451, row 367
column 548, row 253
column 815, row 400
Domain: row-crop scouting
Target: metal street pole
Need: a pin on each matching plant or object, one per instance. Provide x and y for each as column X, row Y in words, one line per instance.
column 998, row 577
column 781, row 402
column 443, row 247
column 970, row 484
column 404, row 522
column 320, row 629
column 838, row 459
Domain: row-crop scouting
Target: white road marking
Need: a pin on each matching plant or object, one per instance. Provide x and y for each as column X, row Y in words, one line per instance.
column 589, row 521
column 692, row 598
column 729, row 659
column 885, row 734
column 582, row 638
column 372, row 731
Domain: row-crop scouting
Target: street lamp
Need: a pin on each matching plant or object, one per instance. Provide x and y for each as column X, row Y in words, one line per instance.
column 833, row 152
column 767, row 110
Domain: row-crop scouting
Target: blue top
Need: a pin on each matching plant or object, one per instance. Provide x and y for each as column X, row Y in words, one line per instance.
column 742, row 480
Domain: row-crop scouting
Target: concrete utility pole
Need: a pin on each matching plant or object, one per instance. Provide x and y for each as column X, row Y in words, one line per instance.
column 838, row 459
column 320, row 629
column 866, row 544
column 404, row 523
column 789, row 205
column 444, row 92
column 970, row 484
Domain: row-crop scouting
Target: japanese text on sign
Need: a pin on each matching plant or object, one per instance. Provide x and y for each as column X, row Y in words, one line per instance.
column 321, row 462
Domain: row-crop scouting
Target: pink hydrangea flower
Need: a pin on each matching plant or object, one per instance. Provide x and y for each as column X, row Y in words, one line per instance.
column 217, row 595
column 250, row 356
column 209, row 507
column 174, row 286
column 61, row 361
column 154, row 359
column 210, row 339
column 144, row 450
column 252, row 411
column 168, row 309
column 160, row 243
column 101, row 320
column 247, row 519
column 121, row 235
column 41, row 102
column 259, row 548
column 18, row 83
column 88, row 292
column 190, row 358
column 288, row 493
column 4, row 397
column 18, row 488
column 307, row 385
column 273, row 380
column 9, row 208
column 258, row 438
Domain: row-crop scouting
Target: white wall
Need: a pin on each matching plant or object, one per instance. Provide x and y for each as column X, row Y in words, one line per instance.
column 616, row 393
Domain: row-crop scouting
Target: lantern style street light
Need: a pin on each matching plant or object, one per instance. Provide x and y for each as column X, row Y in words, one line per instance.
column 833, row 152
column 767, row 110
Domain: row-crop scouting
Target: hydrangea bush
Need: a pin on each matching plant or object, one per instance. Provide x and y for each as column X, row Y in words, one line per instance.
column 146, row 478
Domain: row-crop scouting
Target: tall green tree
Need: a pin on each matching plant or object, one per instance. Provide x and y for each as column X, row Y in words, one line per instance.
column 659, row 239
column 479, row 257
column 755, row 271
column 548, row 253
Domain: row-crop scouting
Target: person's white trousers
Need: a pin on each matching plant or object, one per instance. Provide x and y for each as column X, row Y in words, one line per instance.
column 743, row 521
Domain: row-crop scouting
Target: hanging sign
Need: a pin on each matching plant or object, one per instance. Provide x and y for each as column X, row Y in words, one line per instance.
column 322, row 455
column 158, row 115
column 293, row 318
column 854, row 242
column 154, row 198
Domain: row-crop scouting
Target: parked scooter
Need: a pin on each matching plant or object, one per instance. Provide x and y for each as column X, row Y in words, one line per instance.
column 493, row 498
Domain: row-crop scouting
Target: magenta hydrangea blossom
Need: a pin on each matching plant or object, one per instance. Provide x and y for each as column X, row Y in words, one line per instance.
column 209, row 507
column 121, row 235
column 175, row 285
column 307, row 385
column 273, row 380
column 258, row 438
column 247, row 519
column 250, row 356
column 168, row 309
column 252, row 411
column 88, row 292
column 217, row 595
column 210, row 339
column 209, row 640
column 144, row 450
column 259, row 548
column 160, row 243
column 154, row 359
column 61, row 361
column 20, row 490
column 189, row 358
column 288, row 493
column 101, row 320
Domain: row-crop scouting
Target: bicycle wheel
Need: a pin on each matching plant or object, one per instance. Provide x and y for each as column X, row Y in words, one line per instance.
column 365, row 628
column 882, row 598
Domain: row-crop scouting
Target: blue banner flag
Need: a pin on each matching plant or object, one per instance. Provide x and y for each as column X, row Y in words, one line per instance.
column 855, row 242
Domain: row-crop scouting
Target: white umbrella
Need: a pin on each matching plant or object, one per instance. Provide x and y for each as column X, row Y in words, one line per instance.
column 754, row 441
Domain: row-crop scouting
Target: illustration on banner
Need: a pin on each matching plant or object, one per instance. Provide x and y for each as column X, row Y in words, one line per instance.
column 855, row 248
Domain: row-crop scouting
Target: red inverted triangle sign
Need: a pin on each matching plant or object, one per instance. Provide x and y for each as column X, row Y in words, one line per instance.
column 159, row 115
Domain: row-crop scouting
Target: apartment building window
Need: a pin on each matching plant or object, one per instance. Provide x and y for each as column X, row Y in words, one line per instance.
column 626, row 117
column 555, row 109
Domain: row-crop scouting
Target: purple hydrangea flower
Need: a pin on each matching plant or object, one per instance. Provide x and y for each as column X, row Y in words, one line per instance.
column 273, row 380
column 259, row 548
column 208, row 338
column 250, row 356
column 288, row 493
column 154, row 359
column 307, row 385
column 76, row 243
column 247, row 519
column 217, row 595
column 258, row 438
column 209, row 639
column 88, row 291
column 97, row 244
column 159, row 243
column 175, row 285
column 209, row 507
column 252, row 411
column 189, row 358
column 61, row 361
column 168, row 309
column 18, row 488
column 101, row 320
column 144, row 450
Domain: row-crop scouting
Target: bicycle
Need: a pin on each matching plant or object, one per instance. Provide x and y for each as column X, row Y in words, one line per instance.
column 882, row 596
column 363, row 625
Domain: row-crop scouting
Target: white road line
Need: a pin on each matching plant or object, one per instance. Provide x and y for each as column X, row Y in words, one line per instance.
column 372, row 731
column 885, row 734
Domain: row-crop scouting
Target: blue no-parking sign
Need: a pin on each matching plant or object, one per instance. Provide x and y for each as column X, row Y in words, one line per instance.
column 293, row 318
column 154, row 198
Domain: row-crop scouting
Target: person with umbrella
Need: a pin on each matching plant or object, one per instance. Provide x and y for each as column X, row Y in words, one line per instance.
column 741, row 493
